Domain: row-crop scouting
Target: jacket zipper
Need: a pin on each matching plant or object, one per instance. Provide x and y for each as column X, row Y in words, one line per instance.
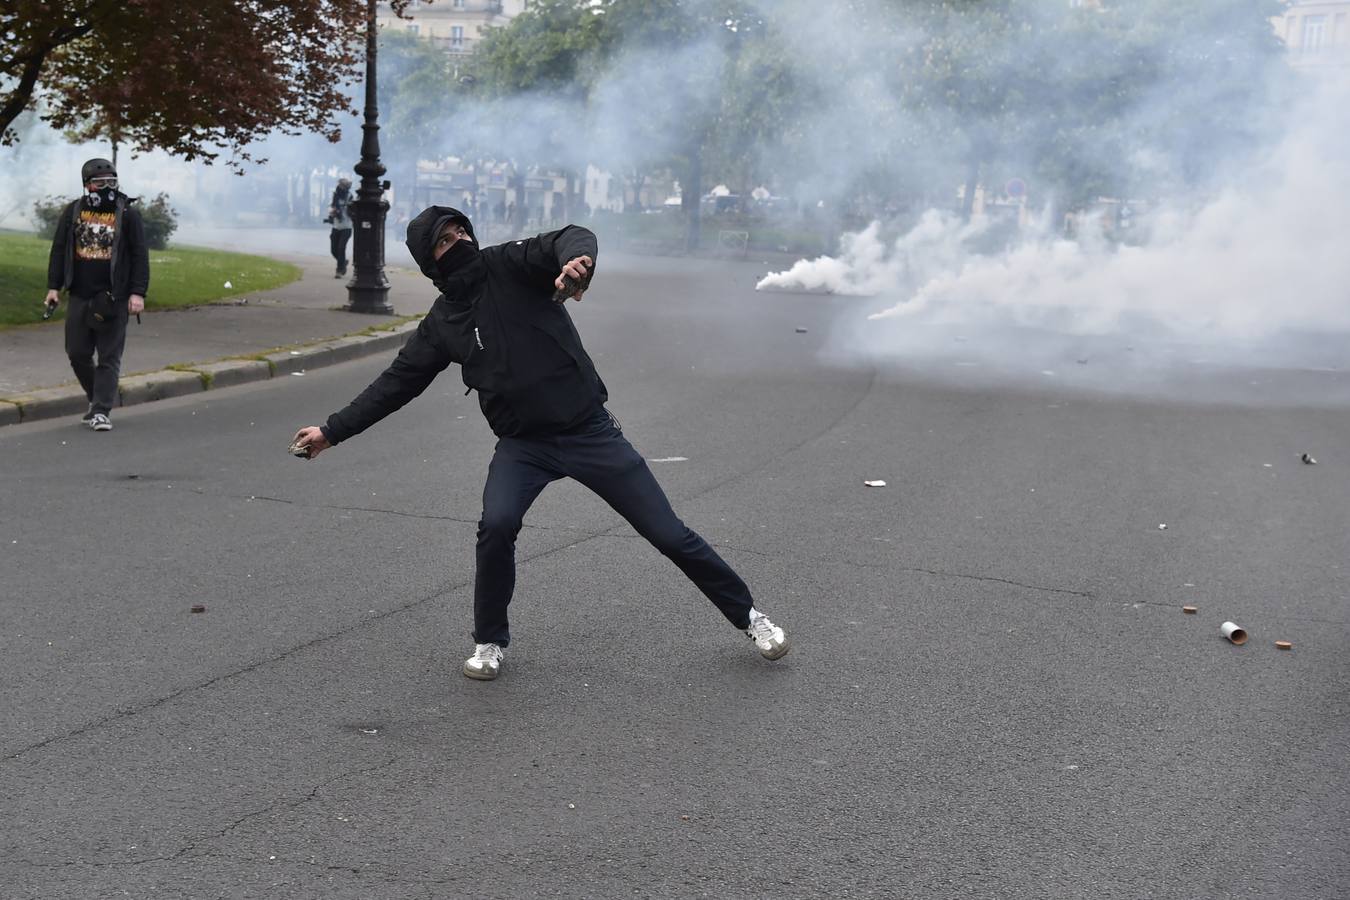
column 477, row 339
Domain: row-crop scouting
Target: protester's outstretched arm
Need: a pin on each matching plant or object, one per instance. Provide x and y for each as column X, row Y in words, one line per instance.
column 422, row 358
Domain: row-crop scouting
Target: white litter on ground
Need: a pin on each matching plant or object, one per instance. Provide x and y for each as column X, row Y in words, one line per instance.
column 670, row 459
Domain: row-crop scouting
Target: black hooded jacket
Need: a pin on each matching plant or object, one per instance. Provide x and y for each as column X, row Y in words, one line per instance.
column 130, row 265
column 497, row 319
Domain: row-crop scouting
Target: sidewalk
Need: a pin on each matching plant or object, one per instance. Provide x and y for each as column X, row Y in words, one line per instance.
column 175, row 352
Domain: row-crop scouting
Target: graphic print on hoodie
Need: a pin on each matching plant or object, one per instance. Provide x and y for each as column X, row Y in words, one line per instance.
column 94, row 233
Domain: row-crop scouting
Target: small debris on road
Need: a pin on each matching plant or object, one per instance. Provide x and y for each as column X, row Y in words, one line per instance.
column 801, row 331
column 877, row 483
column 370, row 731
column 1267, row 465
column 133, row 476
column 1162, row 526
column 1308, row 460
column 1285, row 645
column 670, row 459
column 571, row 806
column 1189, row 610
column 1082, row 360
column 301, row 374
column 1234, row 633
column 199, row 608
column 684, row 818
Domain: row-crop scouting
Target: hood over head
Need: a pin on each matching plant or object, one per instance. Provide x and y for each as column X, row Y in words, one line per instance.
column 422, row 232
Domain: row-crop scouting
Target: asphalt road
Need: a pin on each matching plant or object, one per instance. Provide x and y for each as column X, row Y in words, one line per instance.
column 993, row 691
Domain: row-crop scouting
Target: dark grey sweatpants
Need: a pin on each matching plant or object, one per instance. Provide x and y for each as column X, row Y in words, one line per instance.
column 82, row 342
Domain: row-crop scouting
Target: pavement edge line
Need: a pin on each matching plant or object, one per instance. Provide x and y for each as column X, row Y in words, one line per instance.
column 187, row 378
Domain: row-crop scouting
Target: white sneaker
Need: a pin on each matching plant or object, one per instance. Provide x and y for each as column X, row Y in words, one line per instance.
column 100, row 422
column 486, row 662
column 769, row 639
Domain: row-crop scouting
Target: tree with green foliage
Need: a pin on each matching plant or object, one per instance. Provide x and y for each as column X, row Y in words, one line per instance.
column 1140, row 97
column 188, row 78
column 535, row 75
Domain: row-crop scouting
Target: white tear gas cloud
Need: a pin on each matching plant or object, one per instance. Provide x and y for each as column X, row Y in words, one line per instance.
column 1263, row 256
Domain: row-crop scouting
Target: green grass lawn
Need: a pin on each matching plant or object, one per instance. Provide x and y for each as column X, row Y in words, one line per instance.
column 179, row 276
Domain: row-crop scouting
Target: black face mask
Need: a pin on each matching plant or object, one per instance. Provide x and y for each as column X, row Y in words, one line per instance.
column 102, row 199
column 458, row 260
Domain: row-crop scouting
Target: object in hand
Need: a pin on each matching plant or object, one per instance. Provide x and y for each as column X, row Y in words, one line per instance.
column 298, row 449
column 49, row 311
column 569, row 289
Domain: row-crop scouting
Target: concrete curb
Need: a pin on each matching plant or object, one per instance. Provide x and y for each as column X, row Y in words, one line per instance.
column 191, row 378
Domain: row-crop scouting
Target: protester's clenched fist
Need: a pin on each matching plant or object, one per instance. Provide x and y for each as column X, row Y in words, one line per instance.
column 311, row 438
column 579, row 271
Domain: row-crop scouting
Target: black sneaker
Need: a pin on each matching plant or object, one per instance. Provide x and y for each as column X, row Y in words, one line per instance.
column 100, row 422
column 89, row 414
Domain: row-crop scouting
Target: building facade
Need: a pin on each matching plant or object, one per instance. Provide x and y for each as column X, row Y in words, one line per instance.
column 1317, row 32
column 454, row 26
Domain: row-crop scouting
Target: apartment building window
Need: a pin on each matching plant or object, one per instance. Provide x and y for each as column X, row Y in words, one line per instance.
column 458, row 4
column 1314, row 33
column 456, row 35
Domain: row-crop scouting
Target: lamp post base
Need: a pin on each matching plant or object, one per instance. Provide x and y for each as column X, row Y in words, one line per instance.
column 368, row 298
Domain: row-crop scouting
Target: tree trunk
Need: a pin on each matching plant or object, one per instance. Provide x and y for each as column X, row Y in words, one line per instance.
column 518, row 182
column 690, row 194
column 972, row 181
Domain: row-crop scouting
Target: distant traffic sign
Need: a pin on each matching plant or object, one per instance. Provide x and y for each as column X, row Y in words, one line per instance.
column 1015, row 187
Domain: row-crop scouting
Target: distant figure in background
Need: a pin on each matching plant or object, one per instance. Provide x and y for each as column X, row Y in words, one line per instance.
column 340, row 218
column 99, row 256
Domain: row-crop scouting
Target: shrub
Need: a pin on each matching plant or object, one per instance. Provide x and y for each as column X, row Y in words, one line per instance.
column 47, row 212
column 161, row 221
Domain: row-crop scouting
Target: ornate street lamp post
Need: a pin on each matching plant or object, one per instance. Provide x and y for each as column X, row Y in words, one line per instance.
column 368, row 291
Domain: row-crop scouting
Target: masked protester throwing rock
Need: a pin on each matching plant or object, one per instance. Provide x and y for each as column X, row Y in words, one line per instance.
column 497, row 317
column 99, row 256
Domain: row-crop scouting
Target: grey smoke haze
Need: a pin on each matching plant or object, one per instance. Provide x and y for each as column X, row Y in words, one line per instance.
column 1255, row 274
column 1230, row 251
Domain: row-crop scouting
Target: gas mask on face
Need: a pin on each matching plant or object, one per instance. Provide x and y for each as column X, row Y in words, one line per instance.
column 104, row 194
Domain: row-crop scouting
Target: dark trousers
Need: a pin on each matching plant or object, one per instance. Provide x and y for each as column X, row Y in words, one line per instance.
column 337, row 240
column 600, row 457
column 82, row 342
